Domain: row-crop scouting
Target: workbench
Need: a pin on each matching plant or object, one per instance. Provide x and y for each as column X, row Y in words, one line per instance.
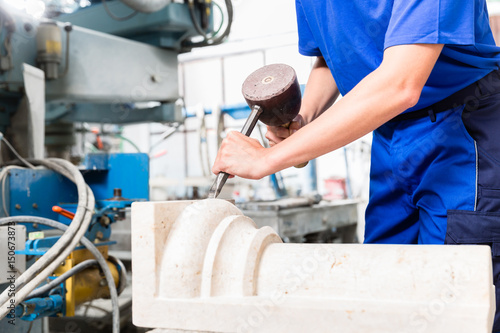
column 300, row 220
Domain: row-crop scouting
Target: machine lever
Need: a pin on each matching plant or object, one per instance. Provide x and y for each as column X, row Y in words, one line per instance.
column 63, row 212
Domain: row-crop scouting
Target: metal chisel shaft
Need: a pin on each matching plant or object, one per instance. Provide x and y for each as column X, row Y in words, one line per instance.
column 246, row 130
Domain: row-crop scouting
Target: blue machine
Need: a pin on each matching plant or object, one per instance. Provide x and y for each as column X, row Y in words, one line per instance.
column 35, row 192
column 40, row 307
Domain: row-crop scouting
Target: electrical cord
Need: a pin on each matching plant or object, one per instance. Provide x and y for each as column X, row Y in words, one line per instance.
column 229, row 8
column 92, row 306
column 90, row 246
column 216, row 32
column 192, row 15
column 213, row 40
column 3, row 176
column 113, row 16
column 198, row 28
column 128, row 140
column 63, row 277
column 63, row 252
column 91, row 147
column 87, row 307
column 31, row 326
column 71, row 172
column 122, row 273
column 7, row 143
column 165, row 135
column 43, row 267
column 64, row 240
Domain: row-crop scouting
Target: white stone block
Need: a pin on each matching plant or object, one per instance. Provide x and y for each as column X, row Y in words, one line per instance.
column 204, row 267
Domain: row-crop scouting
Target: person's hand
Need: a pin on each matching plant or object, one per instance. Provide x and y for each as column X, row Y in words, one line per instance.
column 276, row 134
column 241, row 156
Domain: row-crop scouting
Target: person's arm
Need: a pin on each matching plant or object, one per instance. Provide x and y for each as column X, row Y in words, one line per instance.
column 320, row 93
column 383, row 94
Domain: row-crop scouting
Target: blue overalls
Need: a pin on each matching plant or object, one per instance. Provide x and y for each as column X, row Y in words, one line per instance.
column 435, row 171
column 436, row 179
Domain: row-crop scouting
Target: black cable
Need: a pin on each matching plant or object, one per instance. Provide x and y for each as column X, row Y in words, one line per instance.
column 194, row 20
column 212, row 40
column 229, row 8
column 113, row 16
column 31, row 326
column 63, row 277
column 7, row 143
column 43, row 267
column 90, row 305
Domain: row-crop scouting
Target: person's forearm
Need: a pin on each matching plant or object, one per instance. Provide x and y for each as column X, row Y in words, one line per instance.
column 366, row 107
column 320, row 92
column 379, row 97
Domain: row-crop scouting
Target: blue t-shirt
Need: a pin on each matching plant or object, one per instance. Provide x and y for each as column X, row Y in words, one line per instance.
column 352, row 35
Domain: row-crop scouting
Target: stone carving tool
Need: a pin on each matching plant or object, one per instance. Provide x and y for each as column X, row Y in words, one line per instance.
column 273, row 94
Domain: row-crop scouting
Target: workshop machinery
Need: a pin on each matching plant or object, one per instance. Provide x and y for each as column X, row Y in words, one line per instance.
column 113, row 62
column 306, row 220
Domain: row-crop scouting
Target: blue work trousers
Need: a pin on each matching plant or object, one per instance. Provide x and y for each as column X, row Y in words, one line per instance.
column 436, row 179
